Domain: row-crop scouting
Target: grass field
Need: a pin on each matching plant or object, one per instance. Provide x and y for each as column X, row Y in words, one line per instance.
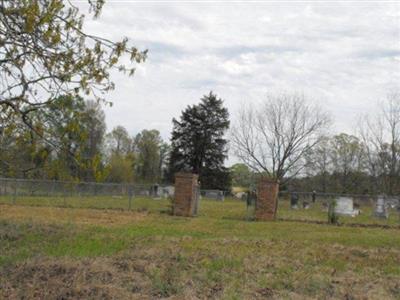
column 49, row 252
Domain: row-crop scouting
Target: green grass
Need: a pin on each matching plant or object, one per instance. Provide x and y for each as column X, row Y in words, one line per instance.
column 229, row 209
column 146, row 253
column 100, row 202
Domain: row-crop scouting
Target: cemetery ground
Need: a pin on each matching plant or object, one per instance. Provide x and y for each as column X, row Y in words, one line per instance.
column 96, row 248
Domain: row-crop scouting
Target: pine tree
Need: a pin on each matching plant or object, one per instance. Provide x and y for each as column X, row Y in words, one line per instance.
column 198, row 144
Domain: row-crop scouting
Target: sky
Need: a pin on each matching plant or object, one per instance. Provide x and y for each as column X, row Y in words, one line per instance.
column 343, row 55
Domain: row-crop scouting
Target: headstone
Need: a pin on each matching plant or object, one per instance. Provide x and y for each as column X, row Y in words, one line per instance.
column 392, row 202
column 294, row 200
column 267, row 198
column 154, row 190
column 213, row 194
column 344, row 206
column 381, row 209
column 240, row 195
column 251, row 198
column 168, row 191
column 143, row 193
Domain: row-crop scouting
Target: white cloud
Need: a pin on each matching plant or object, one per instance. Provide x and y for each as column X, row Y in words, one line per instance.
column 344, row 55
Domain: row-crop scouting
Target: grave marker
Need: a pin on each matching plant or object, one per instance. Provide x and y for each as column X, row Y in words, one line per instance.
column 213, row 194
column 294, row 201
column 344, row 206
column 381, row 209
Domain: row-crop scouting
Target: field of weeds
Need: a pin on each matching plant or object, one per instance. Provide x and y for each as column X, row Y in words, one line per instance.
column 49, row 252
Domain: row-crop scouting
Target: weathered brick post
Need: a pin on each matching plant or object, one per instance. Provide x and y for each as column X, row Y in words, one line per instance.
column 267, row 199
column 185, row 199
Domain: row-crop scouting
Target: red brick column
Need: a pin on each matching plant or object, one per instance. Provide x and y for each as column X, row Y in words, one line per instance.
column 267, row 199
column 185, row 194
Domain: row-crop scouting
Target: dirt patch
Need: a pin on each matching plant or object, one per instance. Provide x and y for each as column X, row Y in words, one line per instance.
column 68, row 215
column 96, row 278
column 12, row 232
column 228, row 268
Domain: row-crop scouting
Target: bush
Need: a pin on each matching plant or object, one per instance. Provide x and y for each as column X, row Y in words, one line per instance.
column 333, row 218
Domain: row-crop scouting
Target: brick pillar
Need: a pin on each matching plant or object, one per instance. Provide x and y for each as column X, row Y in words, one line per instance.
column 267, row 199
column 184, row 203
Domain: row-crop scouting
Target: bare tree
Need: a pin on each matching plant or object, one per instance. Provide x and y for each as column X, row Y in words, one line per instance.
column 380, row 134
column 274, row 137
column 319, row 164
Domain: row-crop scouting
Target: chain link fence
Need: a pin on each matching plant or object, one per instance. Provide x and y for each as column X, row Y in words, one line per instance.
column 307, row 206
column 349, row 208
column 91, row 194
column 82, row 194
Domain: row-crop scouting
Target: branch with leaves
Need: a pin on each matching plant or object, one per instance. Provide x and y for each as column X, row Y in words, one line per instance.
column 44, row 53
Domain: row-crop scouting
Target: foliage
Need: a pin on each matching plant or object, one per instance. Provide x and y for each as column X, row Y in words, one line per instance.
column 148, row 146
column 142, row 158
column 120, row 168
column 119, row 142
column 73, row 143
column 198, row 144
column 337, row 164
column 22, row 153
column 44, row 53
column 241, row 175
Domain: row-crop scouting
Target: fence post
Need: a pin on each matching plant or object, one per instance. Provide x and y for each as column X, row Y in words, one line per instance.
column 53, row 187
column 129, row 197
column 15, row 191
column 64, row 195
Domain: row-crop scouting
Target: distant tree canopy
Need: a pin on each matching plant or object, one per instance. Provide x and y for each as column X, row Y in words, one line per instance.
column 198, row 144
column 368, row 162
column 241, row 175
column 78, row 148
column 76, row 126
column 44, row 53
column 148, row 145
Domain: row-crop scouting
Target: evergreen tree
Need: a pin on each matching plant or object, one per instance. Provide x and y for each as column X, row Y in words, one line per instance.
column 198, row 144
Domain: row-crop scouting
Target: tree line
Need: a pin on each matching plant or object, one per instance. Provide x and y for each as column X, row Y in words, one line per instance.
column 289, row 139
column 73, row 145
column 70, row 142
column 49, row 67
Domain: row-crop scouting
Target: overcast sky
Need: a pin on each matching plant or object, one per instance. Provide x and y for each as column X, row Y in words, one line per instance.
column 344, row 55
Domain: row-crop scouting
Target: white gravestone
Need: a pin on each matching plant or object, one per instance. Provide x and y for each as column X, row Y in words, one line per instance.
column 214, row 194
column 168, row 191
column 344, row 206
column 381, row 209
column 392, row 203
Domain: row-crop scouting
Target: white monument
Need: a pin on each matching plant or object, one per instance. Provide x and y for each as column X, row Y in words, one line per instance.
column 213, row 194
column 392, row 202
column 344, row 206
column 381, row 208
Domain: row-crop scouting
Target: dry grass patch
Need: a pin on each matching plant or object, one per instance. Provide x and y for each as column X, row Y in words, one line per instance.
column 67, row 215
column 181, row 268
column 61, row 253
